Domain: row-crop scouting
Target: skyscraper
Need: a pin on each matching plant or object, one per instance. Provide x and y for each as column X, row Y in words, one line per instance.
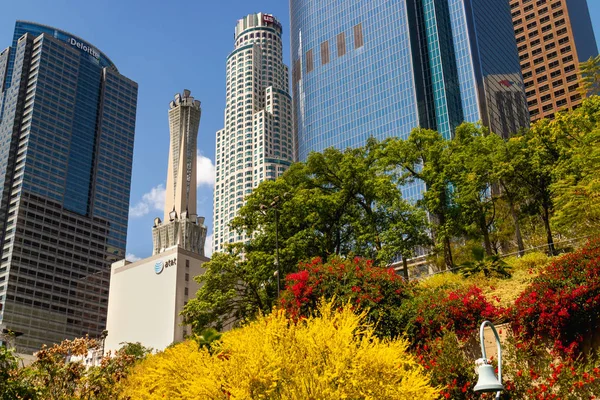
column 256, row 142
column 381, row 68
column 147, row 296
column 553, row 38
column 67, row 122
column 182, row 226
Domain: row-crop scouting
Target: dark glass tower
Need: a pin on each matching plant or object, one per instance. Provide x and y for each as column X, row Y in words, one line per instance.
column 67, row 122
column 382, row 67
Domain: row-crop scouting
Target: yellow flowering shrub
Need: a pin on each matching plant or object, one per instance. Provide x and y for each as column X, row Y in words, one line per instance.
column 333, row 355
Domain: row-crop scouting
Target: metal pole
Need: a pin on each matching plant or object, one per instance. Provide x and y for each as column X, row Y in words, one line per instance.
column 481, row 339
column 277, row 247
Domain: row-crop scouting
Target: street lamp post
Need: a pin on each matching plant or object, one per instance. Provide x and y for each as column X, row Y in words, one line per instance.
column 488, row 382
column 274, row 204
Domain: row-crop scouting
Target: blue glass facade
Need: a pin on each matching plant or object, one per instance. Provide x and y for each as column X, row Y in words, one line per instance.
column 67, row 122
column 383, row 67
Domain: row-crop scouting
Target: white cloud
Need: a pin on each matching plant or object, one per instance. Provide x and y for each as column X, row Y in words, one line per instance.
column 153, row 200
column 205, row 170
column 132, row 257
column 208, row 246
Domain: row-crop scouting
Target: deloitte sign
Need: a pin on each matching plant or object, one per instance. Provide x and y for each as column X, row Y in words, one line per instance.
column 84, row 47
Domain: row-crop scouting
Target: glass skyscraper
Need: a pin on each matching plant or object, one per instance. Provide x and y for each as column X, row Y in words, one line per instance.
column 380, row 68
column 67, row 121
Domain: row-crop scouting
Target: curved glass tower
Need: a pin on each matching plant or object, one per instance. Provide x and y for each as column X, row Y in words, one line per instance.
column 383, row 67
column 67, row 122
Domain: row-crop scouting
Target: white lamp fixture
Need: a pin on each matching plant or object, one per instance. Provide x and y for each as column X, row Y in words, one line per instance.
column 488, row 382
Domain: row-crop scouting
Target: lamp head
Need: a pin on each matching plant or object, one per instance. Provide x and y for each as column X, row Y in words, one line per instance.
column 487, row 380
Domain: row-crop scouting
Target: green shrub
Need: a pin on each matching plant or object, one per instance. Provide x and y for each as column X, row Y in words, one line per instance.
column 528, row 261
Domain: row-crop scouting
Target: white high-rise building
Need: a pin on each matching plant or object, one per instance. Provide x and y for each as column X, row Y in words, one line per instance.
column 256, row 143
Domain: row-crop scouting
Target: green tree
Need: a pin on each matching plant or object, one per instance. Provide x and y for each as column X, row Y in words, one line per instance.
column 232, row 290
column 423, row 159
column 590, row 76
column 537, row 154
column 14, row 381
column 471, row 171
column 338, row 203
column 510, row 189
column 576, row 190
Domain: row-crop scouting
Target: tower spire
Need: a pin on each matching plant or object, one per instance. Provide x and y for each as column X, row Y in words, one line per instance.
column 181, row 226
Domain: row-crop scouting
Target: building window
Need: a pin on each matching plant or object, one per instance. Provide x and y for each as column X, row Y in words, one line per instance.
column 187, row 277
column 358, row 36
column 341, row 44
column 324, row 52
column 309, row 61
column 186, row 291
column 187, row 263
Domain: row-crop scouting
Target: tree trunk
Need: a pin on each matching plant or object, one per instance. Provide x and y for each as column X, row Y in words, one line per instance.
column 487, row 244
column 405, row 265
column 546, row 218
column 518, row 235
column 447, row 254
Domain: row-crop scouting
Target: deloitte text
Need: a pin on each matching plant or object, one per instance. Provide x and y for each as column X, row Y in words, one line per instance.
column 88, row 49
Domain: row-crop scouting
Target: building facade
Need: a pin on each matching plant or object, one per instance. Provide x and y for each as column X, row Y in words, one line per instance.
column 67, row 122
column 553, row 38
column 383, row 67
column 147, row 296
column 257, row 142
column 181, row 225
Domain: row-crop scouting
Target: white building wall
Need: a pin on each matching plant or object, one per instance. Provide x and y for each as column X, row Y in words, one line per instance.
column 145, row 299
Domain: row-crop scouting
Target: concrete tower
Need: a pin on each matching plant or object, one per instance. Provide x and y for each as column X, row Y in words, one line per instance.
column 147, row 296
column 182, row 226
column 256, row 143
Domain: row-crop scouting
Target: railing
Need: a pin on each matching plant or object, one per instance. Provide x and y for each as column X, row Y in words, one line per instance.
column 423, row 261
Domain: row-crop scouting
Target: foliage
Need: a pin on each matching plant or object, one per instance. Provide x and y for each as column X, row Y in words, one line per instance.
column 14, row 383
column 58, row 373
column 471, row 169
column 431, row 312
column 528, row 261
column 536, row 374
column 207, row 337
column 332, row 355
column 422, row 160
column 449, row 366
column 563, row 302
column 378, row 291
column 443, row 281
column 336, row 204
column 134, row 349
column 231, row 290
column 576, row 188
column 492, row 266
column 590, row 76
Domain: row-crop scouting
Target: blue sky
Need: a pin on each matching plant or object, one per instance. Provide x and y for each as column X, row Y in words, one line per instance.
column 165, row 46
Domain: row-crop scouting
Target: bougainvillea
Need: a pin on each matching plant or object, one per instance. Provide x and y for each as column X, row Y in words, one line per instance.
column 562, row 305
column 357, row 281
column 432, row 312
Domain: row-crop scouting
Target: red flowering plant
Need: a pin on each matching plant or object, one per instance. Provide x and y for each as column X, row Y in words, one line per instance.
column 546, row 376
column 433, row 311
column 356, row 281
column 562, row 305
